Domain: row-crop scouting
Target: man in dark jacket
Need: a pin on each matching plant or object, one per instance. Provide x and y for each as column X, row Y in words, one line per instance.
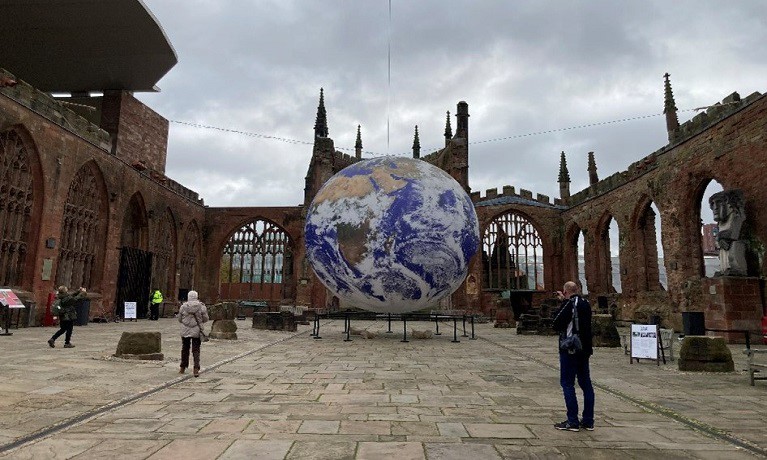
column 572, row 365
column 68, row 304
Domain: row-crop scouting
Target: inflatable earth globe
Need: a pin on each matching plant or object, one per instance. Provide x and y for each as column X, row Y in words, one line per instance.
column 391, row 235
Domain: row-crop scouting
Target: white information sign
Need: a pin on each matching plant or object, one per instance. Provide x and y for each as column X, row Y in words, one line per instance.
column 644, row 341
column 130, row 310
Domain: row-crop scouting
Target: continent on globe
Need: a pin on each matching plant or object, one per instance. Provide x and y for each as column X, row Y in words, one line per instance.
column 391, row 234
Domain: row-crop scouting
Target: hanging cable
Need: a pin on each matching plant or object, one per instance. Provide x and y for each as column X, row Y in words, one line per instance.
column 484, row 141
column 388, row 83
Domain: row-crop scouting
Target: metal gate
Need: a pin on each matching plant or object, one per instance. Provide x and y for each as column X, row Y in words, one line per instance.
column 133, row 280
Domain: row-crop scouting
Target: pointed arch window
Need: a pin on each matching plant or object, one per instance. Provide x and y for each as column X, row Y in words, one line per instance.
column 255, row 254
column 512, row 254
column 189, row 257
column 163, row 259
column 15, row 208
column 81, row 229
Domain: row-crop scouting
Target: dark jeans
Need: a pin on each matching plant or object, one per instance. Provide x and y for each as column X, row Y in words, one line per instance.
column 66, row 327
column 154, row 311
column 195, row 343
column 570, row 367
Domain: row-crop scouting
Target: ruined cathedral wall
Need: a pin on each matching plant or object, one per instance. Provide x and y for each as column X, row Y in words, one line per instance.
column 732, row 151
column 59, row 143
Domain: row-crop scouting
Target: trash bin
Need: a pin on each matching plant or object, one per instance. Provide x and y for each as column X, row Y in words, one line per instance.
column 694, row 323
column 31, row 309
column 83, row 312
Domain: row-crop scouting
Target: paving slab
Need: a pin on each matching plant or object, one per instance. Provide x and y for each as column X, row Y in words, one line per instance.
column 285, row 395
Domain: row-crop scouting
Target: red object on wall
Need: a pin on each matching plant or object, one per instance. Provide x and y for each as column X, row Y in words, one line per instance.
column 764, row 330
column 48, row 318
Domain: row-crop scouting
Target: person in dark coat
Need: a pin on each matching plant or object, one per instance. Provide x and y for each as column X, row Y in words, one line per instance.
column 68, row 314
column 572, row 365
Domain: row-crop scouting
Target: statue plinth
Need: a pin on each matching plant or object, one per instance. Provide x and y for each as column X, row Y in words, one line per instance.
column 734, row 302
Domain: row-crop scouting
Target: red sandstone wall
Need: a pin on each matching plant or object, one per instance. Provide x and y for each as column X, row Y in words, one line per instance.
column 57, row 155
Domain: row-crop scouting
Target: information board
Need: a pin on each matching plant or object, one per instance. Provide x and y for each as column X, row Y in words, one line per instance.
column 644, row 341
column 8, row 298
column 130, row 310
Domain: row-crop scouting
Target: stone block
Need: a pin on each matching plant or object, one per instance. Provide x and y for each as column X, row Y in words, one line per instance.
column 275, row 321
column 223, row 310
column 140, row 345
column 605, row 333
column 223, row 329
column 705, row 354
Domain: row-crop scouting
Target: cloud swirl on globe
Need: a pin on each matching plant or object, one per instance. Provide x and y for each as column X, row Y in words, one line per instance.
column 391, row 235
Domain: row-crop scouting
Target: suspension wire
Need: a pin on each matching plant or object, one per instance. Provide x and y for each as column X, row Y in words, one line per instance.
column 484, row 141
column 388, row 83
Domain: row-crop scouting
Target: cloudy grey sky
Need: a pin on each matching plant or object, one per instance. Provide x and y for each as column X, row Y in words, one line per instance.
column 523, row 67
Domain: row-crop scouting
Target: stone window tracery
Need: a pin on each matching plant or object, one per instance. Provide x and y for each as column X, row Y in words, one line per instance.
column 255, row 254
column 15, row 208
column 163, row 260
column 512, row 254
column 189, row 257
column 81, row 229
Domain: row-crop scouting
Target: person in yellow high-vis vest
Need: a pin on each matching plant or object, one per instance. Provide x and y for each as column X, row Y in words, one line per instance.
column 154, row 309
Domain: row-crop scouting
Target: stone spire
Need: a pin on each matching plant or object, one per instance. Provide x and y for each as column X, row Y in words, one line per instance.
column 593, row 178
column 462, row 121
column 669, row 108
column 448, row 129
column 358, row 144
column 321, row 124
column 416, row 144
column 564, row 178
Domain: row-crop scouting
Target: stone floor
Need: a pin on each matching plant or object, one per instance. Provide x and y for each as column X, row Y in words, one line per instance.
column 278, row 395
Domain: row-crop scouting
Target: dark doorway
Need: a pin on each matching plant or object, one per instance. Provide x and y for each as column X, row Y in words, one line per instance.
column 133, row 280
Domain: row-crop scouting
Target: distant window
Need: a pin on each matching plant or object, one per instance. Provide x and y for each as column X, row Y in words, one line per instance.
column 512, row 254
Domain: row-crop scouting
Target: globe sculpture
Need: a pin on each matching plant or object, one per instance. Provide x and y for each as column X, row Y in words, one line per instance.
column 391, row 235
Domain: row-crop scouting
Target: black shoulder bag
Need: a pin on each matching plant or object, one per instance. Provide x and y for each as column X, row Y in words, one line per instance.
column 572, row 343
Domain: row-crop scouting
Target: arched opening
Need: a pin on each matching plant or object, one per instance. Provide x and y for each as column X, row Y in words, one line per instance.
column 135, row 275
column 83, row 231
column 164, row 255
column 257, row 262
column 707, row 247
column 580, row 245
column 16, row 205
column 512, row 254
column 135, row 227
column 608, row 255
column 189, row 257
column 651, row 275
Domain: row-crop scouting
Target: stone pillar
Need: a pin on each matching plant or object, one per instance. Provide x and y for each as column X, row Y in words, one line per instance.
column 733, row 303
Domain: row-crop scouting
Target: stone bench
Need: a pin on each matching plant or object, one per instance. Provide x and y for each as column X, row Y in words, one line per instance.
column 756, row 363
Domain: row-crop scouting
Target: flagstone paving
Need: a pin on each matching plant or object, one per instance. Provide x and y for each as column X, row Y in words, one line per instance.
column 278, row 395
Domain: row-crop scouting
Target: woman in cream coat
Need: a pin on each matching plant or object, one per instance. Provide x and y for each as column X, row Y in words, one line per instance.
column 192, row 316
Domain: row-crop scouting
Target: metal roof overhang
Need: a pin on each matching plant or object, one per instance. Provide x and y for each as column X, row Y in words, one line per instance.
column 84, row 45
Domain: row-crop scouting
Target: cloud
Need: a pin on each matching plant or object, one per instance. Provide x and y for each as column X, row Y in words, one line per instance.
column 524, row 67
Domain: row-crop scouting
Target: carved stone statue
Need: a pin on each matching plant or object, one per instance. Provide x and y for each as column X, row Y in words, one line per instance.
column 730, row 213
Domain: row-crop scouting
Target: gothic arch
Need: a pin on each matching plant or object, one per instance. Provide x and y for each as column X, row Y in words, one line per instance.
column 164, row 253
column 190, row 257
column 645, row 235
column 603, row 256
column 135, row 225
column 21, row 196
column 83, row 230
column 512, row 252
column 571, row 256
column 256, row 261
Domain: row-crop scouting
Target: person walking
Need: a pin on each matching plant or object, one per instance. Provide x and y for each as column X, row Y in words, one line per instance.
column 67, row 315
column 574, row 317
column 154, row 308
column 192, row 315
